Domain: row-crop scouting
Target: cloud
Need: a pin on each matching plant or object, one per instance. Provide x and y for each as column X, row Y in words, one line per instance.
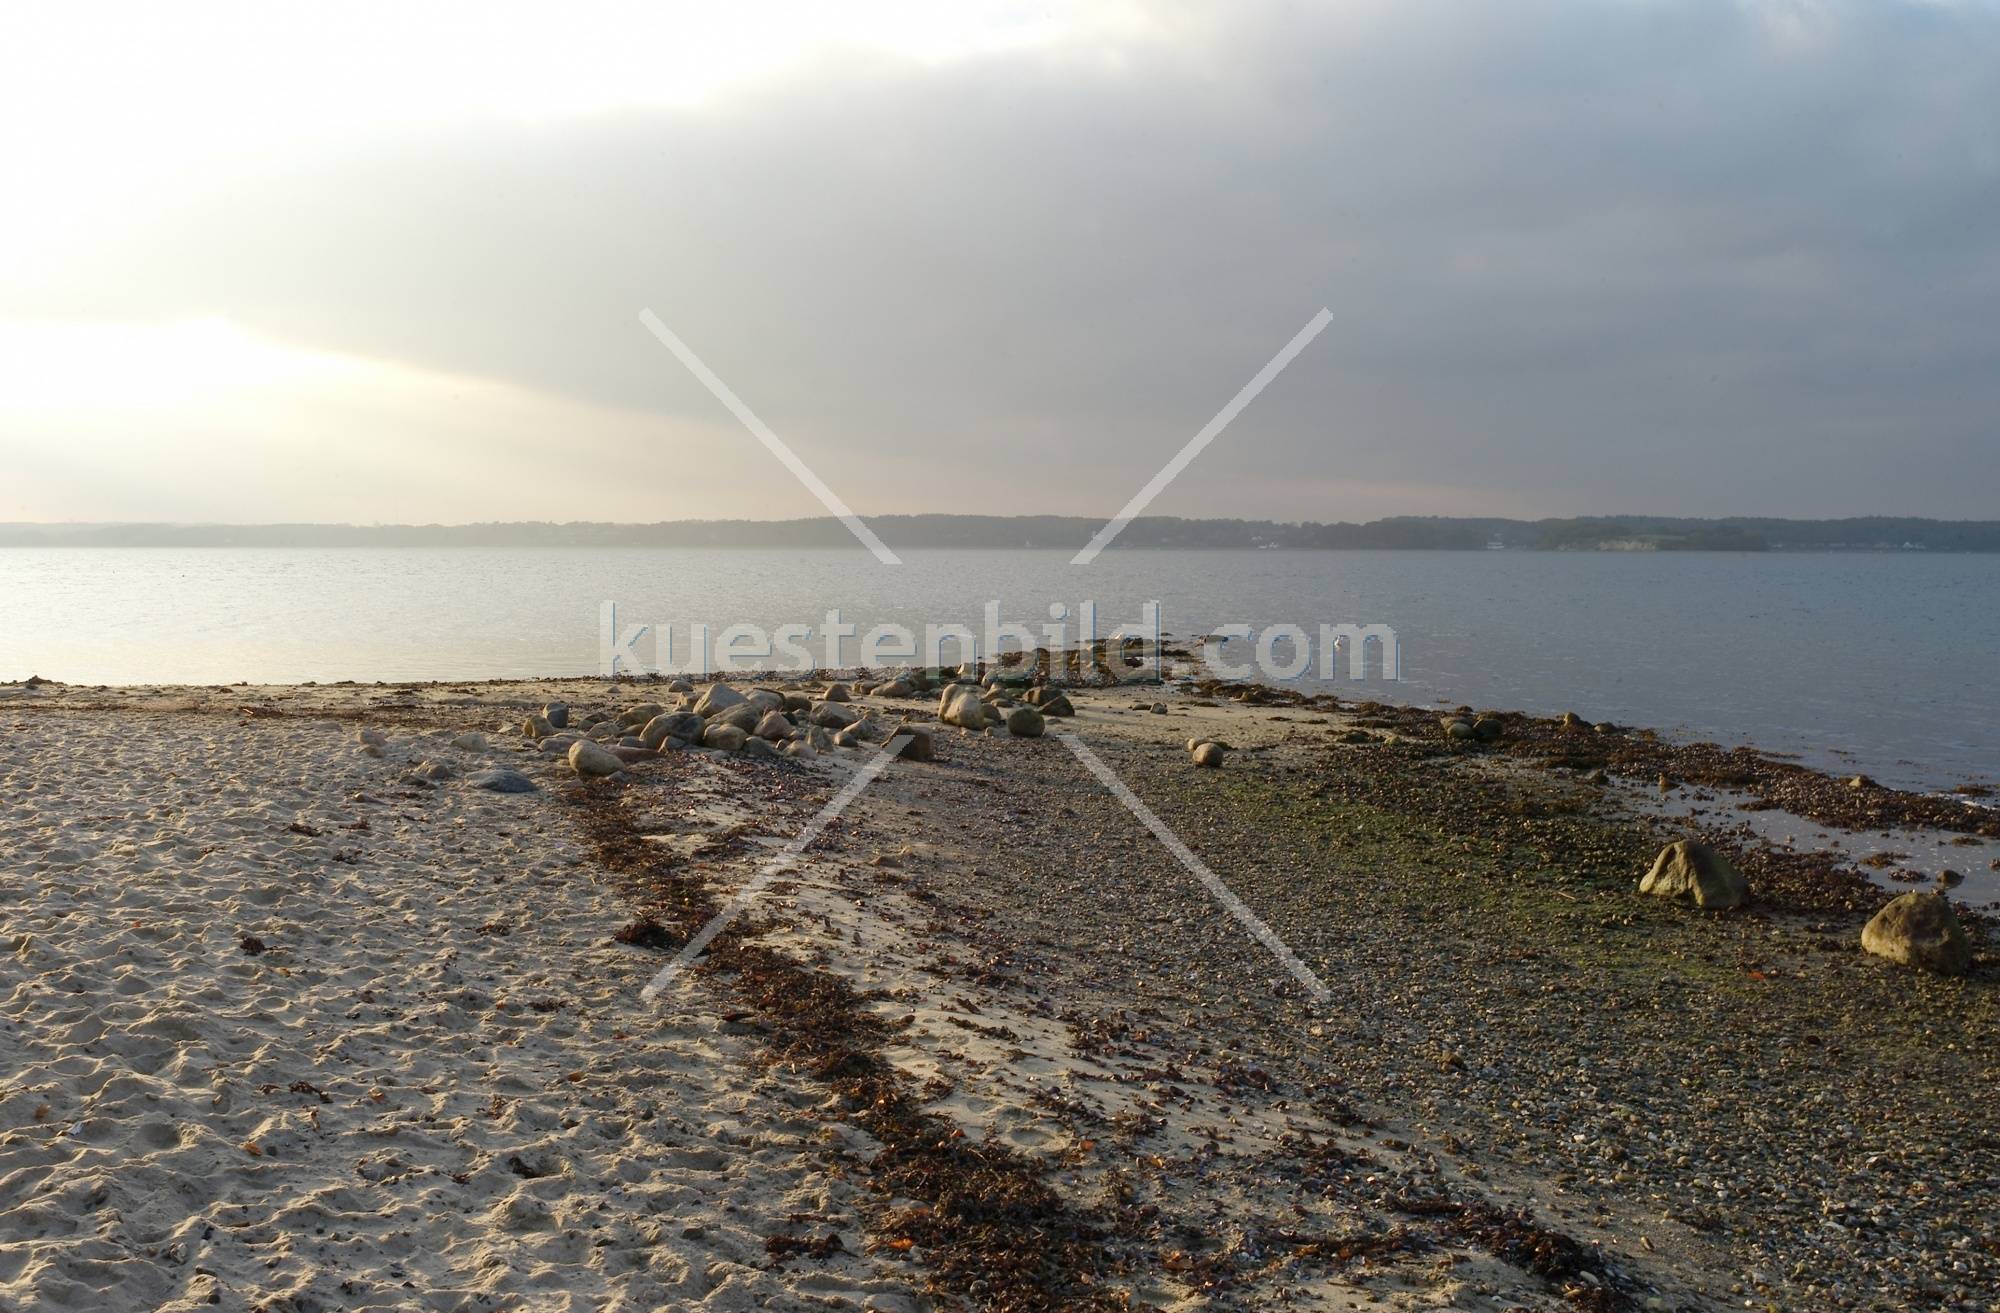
column 1703, row 258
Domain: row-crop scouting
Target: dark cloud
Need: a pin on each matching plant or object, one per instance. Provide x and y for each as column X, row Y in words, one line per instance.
column 1699, row 258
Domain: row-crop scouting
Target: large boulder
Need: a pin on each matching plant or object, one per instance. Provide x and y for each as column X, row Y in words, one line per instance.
column 682, row 725
column 837, row 693
column 635, row 716
column 1694, row 872
column 587, row 758
column 501, row 781
column 1920, row 930
column 537, row 727
column 1025, row 723
column 725, row 738
column 773, row 726
column 833, row 715
column 1207, row 755
column 765, row 699
column 742, row 715
column 557, row 714
column 959, row 705
column 1051, row 701
column 916, row 745
column 716, row 699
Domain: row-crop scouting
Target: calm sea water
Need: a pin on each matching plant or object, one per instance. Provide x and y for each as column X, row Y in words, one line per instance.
column 1884, row 663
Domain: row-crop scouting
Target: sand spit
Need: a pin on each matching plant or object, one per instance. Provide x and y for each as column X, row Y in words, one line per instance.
column 988, row 1047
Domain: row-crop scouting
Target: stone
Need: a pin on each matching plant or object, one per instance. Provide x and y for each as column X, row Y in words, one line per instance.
column 765, row 699
column 1695, row 872
column 820, row 739
column 1571, row 720
column 631, row 750
column 557, row 714
column 1054, row 703
column 1159, row 708
column 1458, row 731
column 725, row 738
column 501, row 781
column 959, row 705
column 537, row 727
column 761, row 749
column 716, row 699
column 917, row 745
column 593, row 759
column 847, row 738
column 896, row 688
column 833, row 715
column 679, row 686
column 635, row 716
column 682, row 725
column 1489, row 729
column 837, row 693
column 798, row 704
column 370, row 737
column 772, row 725
column 742, row 715
column 433, row 771
column 1025, row 723
column 1208, row 756
column 471, row 741
column 1920, row 930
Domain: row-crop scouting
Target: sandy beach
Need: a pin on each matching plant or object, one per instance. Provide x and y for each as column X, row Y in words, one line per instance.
column 295, row 1014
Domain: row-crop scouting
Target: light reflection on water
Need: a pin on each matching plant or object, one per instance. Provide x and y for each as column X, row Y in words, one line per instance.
column 1875, row 662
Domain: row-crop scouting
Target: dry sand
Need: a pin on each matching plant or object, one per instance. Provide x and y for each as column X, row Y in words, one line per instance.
column 434, row 1088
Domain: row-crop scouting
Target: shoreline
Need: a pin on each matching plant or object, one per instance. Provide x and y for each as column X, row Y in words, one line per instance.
column 991, row 944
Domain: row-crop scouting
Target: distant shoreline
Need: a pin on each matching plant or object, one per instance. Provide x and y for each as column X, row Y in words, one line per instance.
column 1621, row 533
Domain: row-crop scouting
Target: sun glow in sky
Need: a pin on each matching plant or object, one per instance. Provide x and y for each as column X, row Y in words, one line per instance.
column 105, row 108
column 373, row 261
column 100, row 101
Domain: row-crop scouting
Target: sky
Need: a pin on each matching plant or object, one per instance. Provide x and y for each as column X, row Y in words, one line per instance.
column 384, row 263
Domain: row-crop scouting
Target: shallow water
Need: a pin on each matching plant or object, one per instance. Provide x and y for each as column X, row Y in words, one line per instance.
column 1875, row 662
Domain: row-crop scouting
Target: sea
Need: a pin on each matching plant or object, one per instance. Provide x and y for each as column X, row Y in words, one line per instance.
column 1884, row 663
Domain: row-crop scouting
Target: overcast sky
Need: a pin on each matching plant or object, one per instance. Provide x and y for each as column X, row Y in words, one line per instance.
column 1591, row 256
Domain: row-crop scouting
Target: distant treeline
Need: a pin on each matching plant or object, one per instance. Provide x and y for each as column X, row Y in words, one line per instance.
column 1594, row 533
